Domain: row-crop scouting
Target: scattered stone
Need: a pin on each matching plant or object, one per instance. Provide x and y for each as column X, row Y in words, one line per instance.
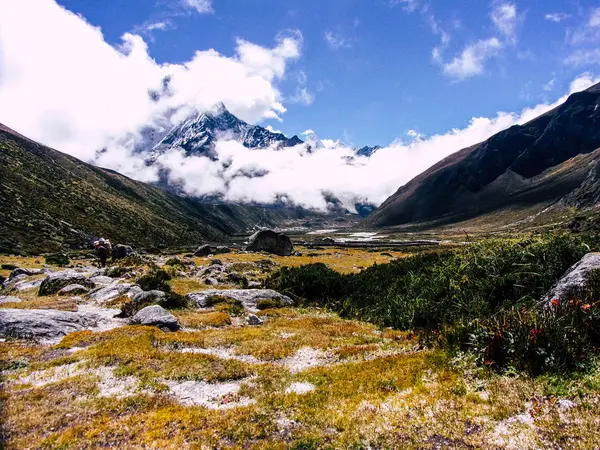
column 101, row 281
column 56, row 281
column 156, row 315
column 253, row 319
column 121, row 251
column 573, row 282
column 141, row 299
column 216, row 262
column 114, row 290
column 221, row 250
column 28, row 272
column 235, row 277
column 42, row 324
column 73, row 289
column 254, row 285
column 210, row 282
column 25, row 285
column 248, row 297
column 271, row 242
column 117, row 271
column 9, row 299
column 203, row 250
column 57, row 259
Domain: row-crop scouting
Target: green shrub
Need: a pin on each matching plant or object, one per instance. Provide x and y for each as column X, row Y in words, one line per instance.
column 315, row 283
column 269, row 303
column 479, row 296
column 155, row 280
column 226, row 305
column 57, row 259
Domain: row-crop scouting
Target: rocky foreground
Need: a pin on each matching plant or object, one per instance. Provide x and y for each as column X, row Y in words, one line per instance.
column 93, row 358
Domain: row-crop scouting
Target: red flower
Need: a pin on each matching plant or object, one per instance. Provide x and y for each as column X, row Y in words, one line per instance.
column 535, row 333
column 555, row 302
column 586, row 307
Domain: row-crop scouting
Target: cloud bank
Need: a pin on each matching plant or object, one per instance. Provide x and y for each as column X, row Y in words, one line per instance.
column 307, row 178
column 62, row 84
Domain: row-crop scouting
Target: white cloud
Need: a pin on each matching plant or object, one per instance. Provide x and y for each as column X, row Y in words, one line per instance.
column 407, row 5
column 549, row 86
column 587, row 32
column 307, row 132
column 163, row 25
column 63, row 85
column 200, row 6
column 581, row 58
column 504, row 17
column 557, row 17
column 303, row 96
column 336, row 40
column 303, row 178
column 471, row 61
column 594, row 20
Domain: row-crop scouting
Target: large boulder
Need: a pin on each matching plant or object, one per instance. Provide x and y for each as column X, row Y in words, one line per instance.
column 157, row 316
column 43, row 324
column 56, row 281
column 271, row 242
column 203, row 250
column 121, row 251
column 28, row 272
column 573, row 283
column 248, row 297
column 222, row 249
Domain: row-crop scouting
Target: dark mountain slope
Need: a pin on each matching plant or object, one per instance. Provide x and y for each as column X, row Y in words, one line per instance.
column 50, row 200
column 535, row 163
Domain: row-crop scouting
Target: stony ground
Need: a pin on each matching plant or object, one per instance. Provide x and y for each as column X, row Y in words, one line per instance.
column 303, row 379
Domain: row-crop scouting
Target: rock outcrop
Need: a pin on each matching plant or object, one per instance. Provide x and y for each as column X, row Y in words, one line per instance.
column 157, row 316
column 203, row 250
column 271, row 242
column 573, row 283
column 121, row 251
column 42, row 324
column 56, row 281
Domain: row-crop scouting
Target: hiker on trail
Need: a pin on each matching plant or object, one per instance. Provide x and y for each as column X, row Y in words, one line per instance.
column 103, row 249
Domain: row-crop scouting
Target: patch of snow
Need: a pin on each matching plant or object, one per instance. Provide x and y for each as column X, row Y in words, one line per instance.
column 306, row 358
column 224, row 353
column 300, row 388
column 210, row 395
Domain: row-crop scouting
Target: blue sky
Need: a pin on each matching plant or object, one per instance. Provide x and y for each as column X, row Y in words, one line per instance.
column 367, row 65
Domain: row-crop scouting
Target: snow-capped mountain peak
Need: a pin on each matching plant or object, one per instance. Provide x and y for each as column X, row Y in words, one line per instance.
column 199, row 131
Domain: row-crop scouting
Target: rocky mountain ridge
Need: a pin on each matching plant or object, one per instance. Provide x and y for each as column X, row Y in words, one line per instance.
column 551, row 159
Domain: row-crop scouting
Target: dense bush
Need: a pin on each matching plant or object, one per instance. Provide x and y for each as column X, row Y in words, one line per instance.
column 158, row 280
column 477, row 291
column 57, row 259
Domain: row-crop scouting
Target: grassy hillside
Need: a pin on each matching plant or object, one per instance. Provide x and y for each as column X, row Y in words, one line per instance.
column 50, row 200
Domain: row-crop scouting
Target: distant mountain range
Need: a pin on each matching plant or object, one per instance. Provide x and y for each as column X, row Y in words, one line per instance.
column 551, row 160
column 198, row 133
